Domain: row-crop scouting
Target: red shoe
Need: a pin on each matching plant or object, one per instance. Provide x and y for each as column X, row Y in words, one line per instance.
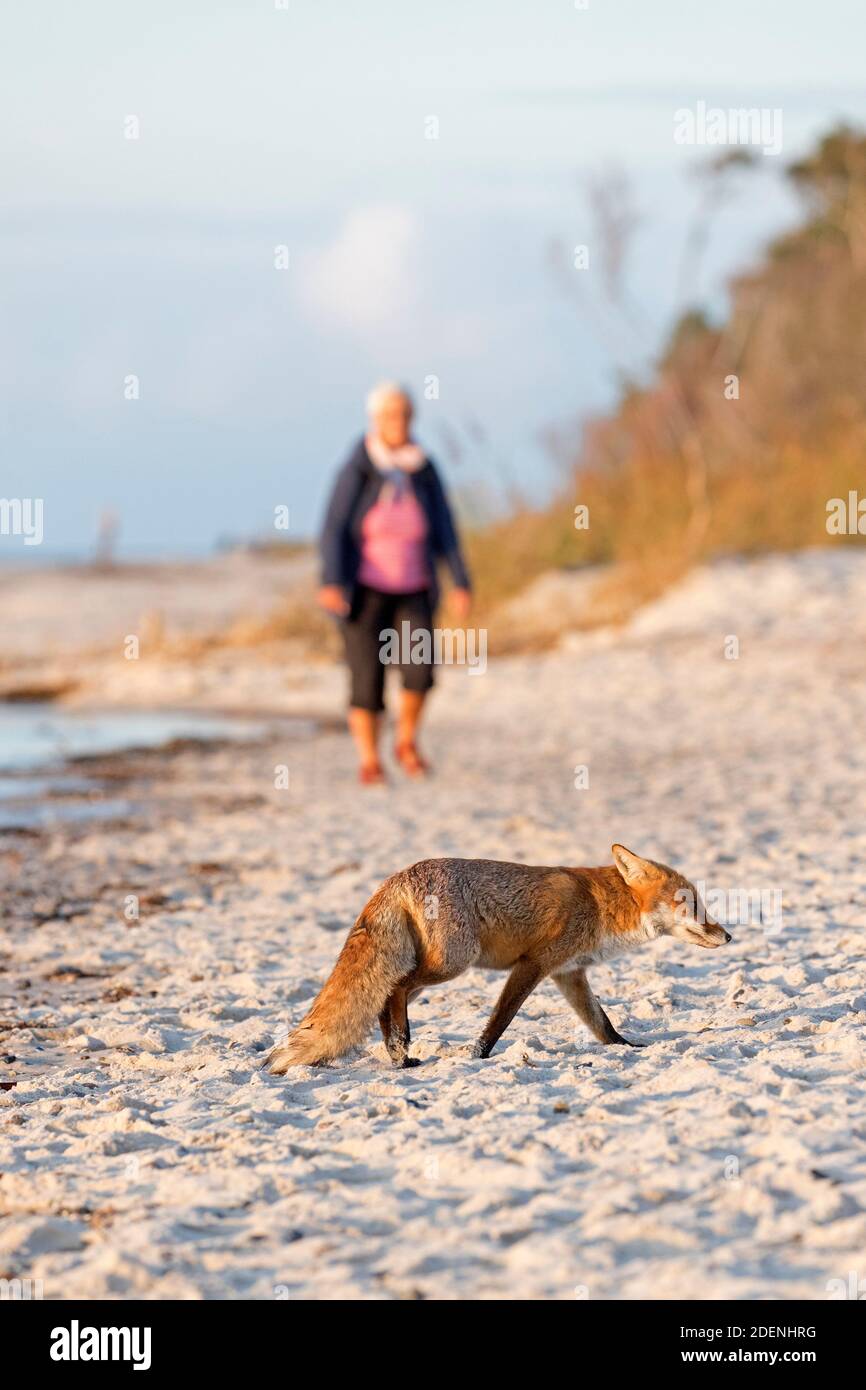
column 410, row 760
column 372, row 776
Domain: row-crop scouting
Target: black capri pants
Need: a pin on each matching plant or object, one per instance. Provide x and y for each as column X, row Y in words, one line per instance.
column 372, row 613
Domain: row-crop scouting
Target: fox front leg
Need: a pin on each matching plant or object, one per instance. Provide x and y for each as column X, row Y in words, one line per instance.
column 518, row 987
column 394, row 1022
column 575, row 986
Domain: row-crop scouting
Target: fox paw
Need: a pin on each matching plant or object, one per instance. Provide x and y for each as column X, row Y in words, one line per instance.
column 278, row 1060
column 400, row 1060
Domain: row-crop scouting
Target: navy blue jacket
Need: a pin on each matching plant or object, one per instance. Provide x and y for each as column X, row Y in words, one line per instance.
column 358, row 485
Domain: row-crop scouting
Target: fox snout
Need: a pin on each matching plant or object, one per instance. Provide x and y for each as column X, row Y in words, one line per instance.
column 709, row 934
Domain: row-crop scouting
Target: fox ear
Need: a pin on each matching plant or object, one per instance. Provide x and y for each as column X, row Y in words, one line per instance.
column 631, row 866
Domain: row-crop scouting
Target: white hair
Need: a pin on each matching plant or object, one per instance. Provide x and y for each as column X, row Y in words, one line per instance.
column 386, row 391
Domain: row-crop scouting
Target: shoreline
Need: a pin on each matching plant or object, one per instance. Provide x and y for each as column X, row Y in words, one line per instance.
column 72, row 785
column 147, row 964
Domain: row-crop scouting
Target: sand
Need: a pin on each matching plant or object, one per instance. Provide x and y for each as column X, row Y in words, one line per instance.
column 143, row 1153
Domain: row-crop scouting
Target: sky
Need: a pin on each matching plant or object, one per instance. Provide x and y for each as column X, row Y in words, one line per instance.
column 270, row 132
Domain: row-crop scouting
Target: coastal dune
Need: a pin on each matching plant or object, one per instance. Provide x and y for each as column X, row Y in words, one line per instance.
column 148, row 962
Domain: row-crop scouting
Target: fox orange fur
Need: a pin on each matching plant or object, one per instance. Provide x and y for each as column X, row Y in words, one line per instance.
column 429, row 923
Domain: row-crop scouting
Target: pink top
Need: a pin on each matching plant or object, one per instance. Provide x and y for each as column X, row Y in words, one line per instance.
column 393, row 549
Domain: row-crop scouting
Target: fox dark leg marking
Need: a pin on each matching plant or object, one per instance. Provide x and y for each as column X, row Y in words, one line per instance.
column 518, row 987
column 394, row 1022
column 575, row 986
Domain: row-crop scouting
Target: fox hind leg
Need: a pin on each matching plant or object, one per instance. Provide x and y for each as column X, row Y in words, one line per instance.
column 394, row 1022
column 575, row 986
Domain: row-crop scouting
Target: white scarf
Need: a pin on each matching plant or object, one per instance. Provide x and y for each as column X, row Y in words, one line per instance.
column 395, row 464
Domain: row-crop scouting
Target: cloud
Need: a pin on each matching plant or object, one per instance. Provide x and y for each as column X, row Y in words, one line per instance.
column 364, row 278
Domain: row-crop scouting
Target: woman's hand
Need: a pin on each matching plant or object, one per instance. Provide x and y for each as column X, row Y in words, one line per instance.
column 461, row 604
column 333, row 600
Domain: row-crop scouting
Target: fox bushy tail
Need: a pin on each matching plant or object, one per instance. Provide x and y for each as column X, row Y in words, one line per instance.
column 378, row 952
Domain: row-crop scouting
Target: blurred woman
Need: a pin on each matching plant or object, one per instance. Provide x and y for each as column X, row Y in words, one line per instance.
column 388, row 524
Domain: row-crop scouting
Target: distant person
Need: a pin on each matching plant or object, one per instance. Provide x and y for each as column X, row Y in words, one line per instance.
column 388, row 524
column 106, row 538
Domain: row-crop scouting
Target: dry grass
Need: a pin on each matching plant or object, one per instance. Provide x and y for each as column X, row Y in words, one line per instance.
column 640, row 540
column 641, row 528
column 682, row 472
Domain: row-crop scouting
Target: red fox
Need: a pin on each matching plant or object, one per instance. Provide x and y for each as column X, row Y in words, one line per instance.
column 429, row 923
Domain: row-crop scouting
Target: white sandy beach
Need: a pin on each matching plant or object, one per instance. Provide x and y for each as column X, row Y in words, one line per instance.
column 143, row 1153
